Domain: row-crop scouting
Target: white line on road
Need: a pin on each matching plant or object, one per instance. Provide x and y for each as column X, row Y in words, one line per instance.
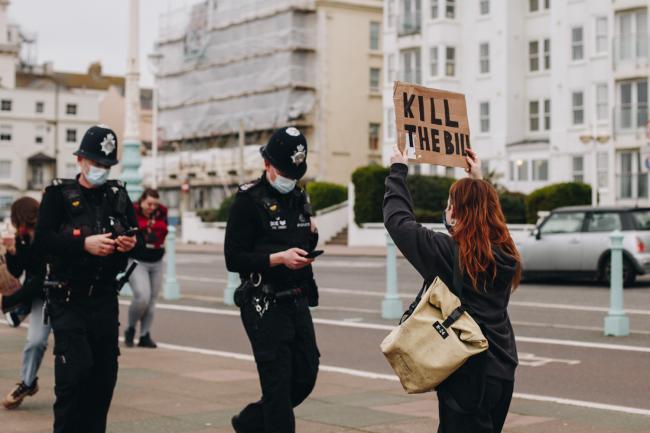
column 380, row 327
column 378, row 294
column 393, row 378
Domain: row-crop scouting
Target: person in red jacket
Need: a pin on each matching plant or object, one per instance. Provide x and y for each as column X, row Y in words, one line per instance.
column 146, row 281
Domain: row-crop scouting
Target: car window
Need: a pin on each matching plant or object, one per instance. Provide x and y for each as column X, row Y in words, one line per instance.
column 604, row 222
column 563, row 222
column 642, row 219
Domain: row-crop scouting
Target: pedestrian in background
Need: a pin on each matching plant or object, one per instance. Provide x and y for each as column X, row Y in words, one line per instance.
column 146, row 281
column 476, row 397
column 22, row 259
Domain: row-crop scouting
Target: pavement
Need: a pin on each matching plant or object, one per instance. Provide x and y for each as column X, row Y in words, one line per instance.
column 172, row 390
column 330, row 250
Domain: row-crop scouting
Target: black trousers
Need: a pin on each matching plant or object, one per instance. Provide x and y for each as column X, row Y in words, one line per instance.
column 488, row 417
column 85, row 366
column 287, row 358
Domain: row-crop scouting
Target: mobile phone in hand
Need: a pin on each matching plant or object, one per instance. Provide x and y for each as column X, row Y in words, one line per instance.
column 313, row 254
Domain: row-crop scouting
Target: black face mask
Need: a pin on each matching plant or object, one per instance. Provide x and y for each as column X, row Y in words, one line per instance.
column 448, row 226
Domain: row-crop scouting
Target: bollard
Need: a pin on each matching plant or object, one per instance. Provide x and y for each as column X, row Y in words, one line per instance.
column 616, row 323
column 171, row 290
column 229, row 292
column 391, row 306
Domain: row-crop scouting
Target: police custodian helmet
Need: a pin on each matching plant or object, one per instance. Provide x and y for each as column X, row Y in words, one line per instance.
column 287, row 151
column 99, row 144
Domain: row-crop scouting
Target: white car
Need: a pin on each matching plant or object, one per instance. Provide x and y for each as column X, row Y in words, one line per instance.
column 574, row 242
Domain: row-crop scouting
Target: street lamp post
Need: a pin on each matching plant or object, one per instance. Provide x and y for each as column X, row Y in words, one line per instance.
column 594, row 139
column 131, row 155
column 154, row 65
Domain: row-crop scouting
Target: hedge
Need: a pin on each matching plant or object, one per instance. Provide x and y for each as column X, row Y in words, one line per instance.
column 429, row 194
column 513, row 205
column 556, row 195
column 325, row 194
column 219, row 214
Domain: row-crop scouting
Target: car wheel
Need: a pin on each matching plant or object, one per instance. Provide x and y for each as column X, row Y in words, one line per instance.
column 629, row 274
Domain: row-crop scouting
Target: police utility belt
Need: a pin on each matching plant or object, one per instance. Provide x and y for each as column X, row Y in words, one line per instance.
column 66, row 290
column 255, row 286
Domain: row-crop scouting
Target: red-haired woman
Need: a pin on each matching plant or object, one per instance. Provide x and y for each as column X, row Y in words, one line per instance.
column 476, row 397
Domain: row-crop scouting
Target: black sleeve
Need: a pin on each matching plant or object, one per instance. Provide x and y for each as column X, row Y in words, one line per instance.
column 16, row 262
column 240, row 237
column 51, row 215
column 429, row 252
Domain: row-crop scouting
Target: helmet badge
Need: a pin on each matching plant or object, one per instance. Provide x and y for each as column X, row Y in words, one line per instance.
column 292, row 131
column 299, row 155
column 108, row 145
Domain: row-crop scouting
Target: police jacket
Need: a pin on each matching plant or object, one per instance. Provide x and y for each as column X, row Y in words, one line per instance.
column 68, row 214
column 431, row 254
column 263, row 221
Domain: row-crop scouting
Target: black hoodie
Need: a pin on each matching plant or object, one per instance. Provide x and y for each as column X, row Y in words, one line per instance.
column 431, row 254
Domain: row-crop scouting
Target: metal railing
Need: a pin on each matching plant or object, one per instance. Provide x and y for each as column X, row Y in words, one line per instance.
column 409, row 24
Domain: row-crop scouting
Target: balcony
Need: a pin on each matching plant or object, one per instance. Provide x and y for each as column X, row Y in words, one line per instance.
column 631, row 50
column 631, row 120
column 409, row 24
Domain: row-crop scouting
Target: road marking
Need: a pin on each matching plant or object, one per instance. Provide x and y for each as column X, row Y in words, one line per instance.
column 576, row 327
column 380, row 327
column 393, row 378
column 378, row 294
column 532, row 360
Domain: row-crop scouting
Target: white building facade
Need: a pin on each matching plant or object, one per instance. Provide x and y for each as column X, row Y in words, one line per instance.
column 556, row 90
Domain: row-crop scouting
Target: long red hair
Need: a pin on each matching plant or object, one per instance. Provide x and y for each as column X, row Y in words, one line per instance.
column 480, row 225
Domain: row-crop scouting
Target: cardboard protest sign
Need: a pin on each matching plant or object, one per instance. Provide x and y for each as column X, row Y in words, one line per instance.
column 432, row 124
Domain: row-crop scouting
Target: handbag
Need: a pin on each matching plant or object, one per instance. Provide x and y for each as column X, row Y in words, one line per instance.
column 435, row 336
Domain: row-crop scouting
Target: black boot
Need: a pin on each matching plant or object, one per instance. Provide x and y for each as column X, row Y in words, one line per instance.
column 146, row 341
column 129, row 333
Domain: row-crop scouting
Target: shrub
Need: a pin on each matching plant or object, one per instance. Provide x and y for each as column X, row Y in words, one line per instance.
column 208, row 215
column 513, row 205
column 369, row 193
column 556, row 195
column 325, row 194
column 224, row 209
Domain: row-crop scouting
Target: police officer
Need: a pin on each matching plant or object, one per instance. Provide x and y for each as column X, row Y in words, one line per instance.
column 82, row 228
column 269, row 233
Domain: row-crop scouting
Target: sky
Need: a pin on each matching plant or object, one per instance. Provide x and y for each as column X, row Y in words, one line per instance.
column 75, row 33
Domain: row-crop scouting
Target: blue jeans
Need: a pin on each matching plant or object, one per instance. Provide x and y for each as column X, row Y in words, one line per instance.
column 36, row 345
column 146, row 282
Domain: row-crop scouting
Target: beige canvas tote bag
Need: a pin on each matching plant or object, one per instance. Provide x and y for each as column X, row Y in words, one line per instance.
column 435, row 337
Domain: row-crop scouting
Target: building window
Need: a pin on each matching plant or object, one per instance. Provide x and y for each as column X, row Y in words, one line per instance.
column 410, row 70
column 38, row 139
column 547, row 114
column 435, row 7
column 601, row 35
column 533, row 115
column 390, row 13
column 602, row 101
column 484, row 109
column 602, row 167
column 5, row 169
column 5, row 136
column 484, row 58
column 578, row 169
column 71, row 170
column 533, row 56
column 547, row 54
column 450, row 64
column 632, row 34
column 522, row 170
column 449, row 172
column 577, row 44
column 71, row 109
column 390, row 123
column 578, row 108
column 373, row 136
column 450, row 10
column 375, row 29
column 433, row 61
column 547, row 4
column 533, row 5
column 71, row 135
column 540, row 169
column 485, row 7
column 390, row 67
column 5, row 105
column 40, row 107
column 633, row 101
column 375, row 79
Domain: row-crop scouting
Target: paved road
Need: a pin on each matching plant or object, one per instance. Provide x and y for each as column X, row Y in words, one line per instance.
column 559, row 326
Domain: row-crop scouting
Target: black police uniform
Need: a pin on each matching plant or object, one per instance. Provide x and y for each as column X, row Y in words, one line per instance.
column 84, row 310
column 276, row 314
